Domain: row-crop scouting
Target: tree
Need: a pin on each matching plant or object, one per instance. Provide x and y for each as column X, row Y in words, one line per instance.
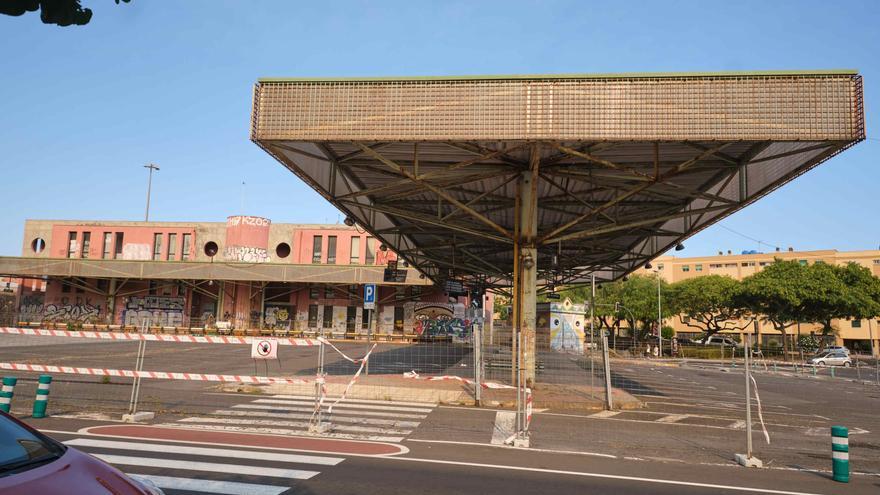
column 58, row 12
column 777, row 293
column 708, row 303
column 840, row 292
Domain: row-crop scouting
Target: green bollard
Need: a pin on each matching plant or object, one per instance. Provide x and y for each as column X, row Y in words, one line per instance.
column 840, row 454
column 42, row 396
column 7, row 392
column 832, row 372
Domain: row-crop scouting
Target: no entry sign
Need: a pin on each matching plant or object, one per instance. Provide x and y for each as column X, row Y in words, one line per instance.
column 264, row 349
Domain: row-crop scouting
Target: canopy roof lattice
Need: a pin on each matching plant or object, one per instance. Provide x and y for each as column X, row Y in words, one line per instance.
column 625, row 166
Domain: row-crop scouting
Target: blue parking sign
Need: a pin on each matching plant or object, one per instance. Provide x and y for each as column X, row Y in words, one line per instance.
column 369, row 296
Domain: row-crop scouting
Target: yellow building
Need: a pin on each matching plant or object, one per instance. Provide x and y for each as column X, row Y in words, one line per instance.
column 855, row 334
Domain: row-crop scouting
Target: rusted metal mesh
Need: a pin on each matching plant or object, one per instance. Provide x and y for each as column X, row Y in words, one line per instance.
column 782, row 107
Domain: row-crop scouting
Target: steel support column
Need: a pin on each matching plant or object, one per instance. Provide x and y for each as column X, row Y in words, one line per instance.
column 528, row 266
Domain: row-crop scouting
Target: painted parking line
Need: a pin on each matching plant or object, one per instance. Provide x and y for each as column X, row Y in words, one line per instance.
column 204, row 451
column 344, row 405
column 311, row 408
column 336, row 419
column 212, row 486
column 212, row 467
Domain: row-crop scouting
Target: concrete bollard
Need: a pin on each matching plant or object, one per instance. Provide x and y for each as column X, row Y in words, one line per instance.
column 42, row 399
column 7, row 392
column 840, row 453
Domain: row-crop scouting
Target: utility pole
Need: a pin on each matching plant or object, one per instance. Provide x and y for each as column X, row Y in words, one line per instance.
column 659, row 318
column 149, row 187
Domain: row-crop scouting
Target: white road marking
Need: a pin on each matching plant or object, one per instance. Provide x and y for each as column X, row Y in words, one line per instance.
column 212, row 486
column 601, row 475
column 284, row 431
column 213, row 467
column 336, row 419
column 358, row 401
column 226, row 453
column 345, row 405
column 295, row 424
column 530, row 449
column 604, row 414
column 504, row 426
column 335, row 411
column 672, row 418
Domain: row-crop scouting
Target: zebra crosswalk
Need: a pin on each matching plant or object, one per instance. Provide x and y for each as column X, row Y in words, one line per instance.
column 352, row 419
column 182, row 468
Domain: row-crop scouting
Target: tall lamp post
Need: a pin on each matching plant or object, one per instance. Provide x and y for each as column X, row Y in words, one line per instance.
column 656, row 271
column 149, row 187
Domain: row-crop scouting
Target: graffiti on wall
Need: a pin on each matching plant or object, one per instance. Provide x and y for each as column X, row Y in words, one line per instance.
column 31, row 308
column 441, row 320
column 277, row 317
column 164, row 311
column 247, row 254
column 81, row 310
column 567, row 326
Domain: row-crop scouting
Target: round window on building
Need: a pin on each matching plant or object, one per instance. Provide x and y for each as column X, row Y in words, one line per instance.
column 38, row 245
column 211, row 248
column 282, row 250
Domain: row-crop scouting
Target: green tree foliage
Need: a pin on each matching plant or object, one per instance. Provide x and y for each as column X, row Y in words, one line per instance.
column 636, row 299
column 786, row 292
column 58, row 12
column 708, row 303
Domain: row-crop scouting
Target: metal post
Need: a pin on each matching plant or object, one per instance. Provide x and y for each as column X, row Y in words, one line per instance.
column 478, row 362
column 592, row 332
column 871, row 337
column 319, row 382
column 370, row 322
column 149, row 189
column 138, row 366
column 748, row 375
column 660, row 319
column 608, row 400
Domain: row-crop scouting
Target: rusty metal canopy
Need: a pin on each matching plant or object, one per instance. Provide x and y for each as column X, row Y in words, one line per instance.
column 628, row 165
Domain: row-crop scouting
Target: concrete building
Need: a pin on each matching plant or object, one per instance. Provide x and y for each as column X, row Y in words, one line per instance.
column 247, row 272
column 855, row 334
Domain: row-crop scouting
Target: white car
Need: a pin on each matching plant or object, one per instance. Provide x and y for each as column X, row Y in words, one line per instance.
column 834, row 358
column 836, row 348
column 720, row 340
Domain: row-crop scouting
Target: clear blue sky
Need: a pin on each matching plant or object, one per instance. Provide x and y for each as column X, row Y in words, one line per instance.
column 84, row 108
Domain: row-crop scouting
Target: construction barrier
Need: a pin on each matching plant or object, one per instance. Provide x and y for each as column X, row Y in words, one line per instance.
column 160, row 375
column 42, row 399
column 493, row 385
column 180, row 339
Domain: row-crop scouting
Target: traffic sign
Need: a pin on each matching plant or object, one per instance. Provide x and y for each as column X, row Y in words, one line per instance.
column 264, row 349
column 369, row 296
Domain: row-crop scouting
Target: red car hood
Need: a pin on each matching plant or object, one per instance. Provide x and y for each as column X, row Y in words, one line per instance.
column 75, row 473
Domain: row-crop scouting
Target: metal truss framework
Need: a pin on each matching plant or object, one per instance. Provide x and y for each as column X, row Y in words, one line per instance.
column 605, row 205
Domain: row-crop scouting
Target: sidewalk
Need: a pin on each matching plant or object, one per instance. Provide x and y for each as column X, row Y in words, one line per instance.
column 451, row 391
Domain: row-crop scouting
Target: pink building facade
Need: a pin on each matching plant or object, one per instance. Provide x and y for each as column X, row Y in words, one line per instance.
column 274, row 277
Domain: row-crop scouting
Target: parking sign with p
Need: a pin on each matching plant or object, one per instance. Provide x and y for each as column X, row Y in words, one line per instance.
column 369, row 296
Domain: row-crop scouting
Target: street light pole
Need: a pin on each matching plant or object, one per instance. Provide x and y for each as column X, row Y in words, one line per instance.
column 659, row 318
column 149, row 187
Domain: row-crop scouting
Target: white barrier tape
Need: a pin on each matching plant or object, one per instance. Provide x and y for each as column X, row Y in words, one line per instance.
column 528, row 408
column 840, row 455
column 363, row 361
column 840, row 440
column 124, row 336
column 353, row 360
column 160, row 375
column 760, row 415
column 492, row 385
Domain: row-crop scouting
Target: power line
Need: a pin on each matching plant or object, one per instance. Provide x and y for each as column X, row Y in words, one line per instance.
column 759, row 241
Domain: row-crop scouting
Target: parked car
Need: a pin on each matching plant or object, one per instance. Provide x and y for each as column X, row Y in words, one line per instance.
column 833, row 358
column 32, row 463
column 836, row 348
column 719, row 340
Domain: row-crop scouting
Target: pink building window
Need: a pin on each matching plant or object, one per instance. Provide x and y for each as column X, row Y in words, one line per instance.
column 172, row 247
column 355, row 250
column 71, row 245
column 107, row 245
column 157, row 247
column 331, row 249
column 87, row 243
column 184, row 253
